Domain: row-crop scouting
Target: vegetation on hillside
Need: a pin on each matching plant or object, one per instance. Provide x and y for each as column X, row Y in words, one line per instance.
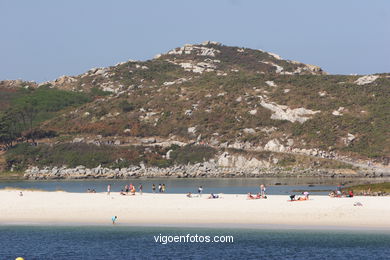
column 218, row 107
column 373, row 187
column 30, row 107
column 74, row 154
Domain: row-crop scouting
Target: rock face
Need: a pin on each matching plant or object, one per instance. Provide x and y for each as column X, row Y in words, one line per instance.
column 281, row 112
column 14, row 84
column 366, row 79
column 274, row 146
column 196, row 49
column 240, row 162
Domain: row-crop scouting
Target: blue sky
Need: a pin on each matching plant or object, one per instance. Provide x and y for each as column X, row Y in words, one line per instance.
column 44, row 39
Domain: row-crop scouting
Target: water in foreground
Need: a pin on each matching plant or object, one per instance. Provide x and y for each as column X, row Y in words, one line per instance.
column 118, row 242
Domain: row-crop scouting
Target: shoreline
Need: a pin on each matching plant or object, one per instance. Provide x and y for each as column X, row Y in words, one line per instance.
column 226, row 226
column 149, row 209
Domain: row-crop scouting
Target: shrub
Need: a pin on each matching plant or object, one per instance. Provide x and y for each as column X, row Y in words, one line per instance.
column 126, row 106
column 192, row 154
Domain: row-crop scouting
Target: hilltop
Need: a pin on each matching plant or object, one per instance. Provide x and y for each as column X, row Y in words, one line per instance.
column 237, row 107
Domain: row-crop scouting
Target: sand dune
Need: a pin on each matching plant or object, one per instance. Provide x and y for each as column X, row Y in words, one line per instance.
column 177, row 209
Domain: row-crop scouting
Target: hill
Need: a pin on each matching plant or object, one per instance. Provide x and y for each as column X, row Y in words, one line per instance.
column 229, row 99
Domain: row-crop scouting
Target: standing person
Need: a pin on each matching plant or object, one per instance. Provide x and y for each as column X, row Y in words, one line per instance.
column 140, row 188
column 114, row 219
column 163, row 188
column 127, row 188
column 159, row 188
column 153, row 188
column 262, row 190
column 200, row 190
column 108, row 189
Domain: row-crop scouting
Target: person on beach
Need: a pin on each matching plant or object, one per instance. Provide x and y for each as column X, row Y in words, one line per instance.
column 140, row 188
column 163, row 188
column 213, row 196
column 153, row 188
column 122, row 193
column 189, row 195
column 262, row 190
column 200, row 190
column 159, row 188
column 306, row 194
column 250, row 196
column 350, row 194
column 127, row 188
column 132, row 191
column 108, row 189
column 21, row 194
column 258, row 196
column 292, row 197
column 114, row 218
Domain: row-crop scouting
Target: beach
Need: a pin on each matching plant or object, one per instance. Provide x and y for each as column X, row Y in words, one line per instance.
column 40, row 207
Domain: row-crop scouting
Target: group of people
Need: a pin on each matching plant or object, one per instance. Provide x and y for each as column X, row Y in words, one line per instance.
column 161, row 188
column 131, row 189
column 338, row 193
column 259, row 195
column 301, row 198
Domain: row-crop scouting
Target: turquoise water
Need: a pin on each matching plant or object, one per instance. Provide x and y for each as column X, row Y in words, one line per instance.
column 221, row 185
column 117, row 242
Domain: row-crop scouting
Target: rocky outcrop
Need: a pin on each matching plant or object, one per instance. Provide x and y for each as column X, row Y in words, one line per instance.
column 15, row 84
column 281, row 112
column 200, row 50
column 366, row 79
column 209, row 169
column 240, row 162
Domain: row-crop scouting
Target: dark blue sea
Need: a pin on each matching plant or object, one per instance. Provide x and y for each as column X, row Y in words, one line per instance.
column 123, row 242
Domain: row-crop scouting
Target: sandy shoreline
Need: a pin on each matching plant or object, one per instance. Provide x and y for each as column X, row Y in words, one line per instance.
column 57, row 208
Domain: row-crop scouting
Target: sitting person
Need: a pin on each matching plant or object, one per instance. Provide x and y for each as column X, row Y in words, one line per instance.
column 213, row 196
column 132, row 191
column 350, row 194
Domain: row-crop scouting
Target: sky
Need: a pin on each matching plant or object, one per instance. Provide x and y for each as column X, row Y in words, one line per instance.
column 44, row 39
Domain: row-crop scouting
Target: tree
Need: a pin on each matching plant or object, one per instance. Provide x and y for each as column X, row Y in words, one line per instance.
column 27, row 110
column 9, row 128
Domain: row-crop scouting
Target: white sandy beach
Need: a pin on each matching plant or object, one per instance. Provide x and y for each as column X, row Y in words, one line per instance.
column 176, row 209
